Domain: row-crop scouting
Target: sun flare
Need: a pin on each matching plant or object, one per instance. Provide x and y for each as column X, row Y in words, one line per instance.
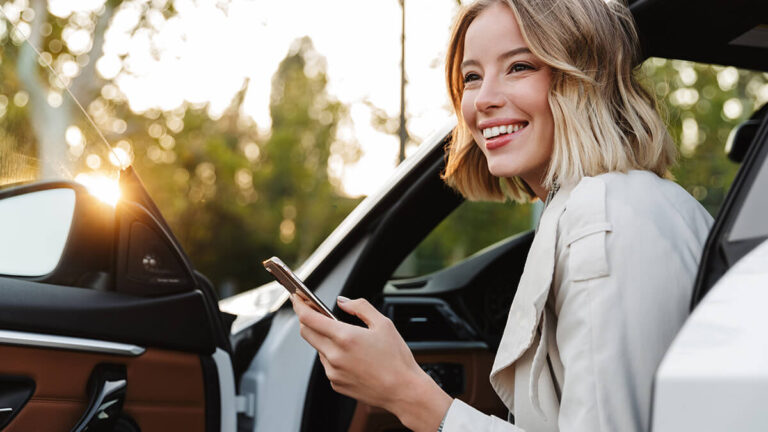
column 102, row 187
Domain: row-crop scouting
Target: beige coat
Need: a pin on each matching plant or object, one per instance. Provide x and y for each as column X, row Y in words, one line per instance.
column 620, row 253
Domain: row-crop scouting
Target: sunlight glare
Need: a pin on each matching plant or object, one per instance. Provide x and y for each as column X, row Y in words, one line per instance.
column 120, row 157
column 102, row 187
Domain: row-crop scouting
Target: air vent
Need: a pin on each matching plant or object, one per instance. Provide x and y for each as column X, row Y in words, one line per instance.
column 410, row 285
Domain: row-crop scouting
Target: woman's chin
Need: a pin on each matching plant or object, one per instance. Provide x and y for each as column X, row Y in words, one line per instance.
column 499, row 170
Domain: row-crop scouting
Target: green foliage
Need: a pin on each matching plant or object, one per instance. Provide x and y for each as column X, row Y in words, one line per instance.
column 470, row 228
column 702, row 104
column 235, row 198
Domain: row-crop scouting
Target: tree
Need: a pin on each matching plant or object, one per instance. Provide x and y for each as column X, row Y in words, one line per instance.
column 296, row 175
column 235, row 198
column 232, row 196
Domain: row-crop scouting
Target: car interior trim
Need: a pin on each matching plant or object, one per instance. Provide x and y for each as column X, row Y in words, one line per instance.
column 447, row 345
column 10, row 337
column 165, row 388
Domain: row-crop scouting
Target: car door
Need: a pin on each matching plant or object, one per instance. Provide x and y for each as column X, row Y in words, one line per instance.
column 449, row 317
column 104, row 323
column 451, row 314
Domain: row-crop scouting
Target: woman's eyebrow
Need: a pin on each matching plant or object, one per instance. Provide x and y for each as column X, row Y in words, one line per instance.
column 506, row 55
column 514, row 52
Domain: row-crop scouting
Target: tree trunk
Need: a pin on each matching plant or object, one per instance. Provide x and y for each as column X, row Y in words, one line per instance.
column 50, row 123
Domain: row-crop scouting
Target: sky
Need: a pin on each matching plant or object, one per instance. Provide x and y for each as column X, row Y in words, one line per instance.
column 204, row 54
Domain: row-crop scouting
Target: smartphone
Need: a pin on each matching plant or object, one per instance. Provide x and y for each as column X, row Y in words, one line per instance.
column 294, row 285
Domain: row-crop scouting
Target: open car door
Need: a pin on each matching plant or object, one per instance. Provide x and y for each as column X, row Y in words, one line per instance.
column 104, row 324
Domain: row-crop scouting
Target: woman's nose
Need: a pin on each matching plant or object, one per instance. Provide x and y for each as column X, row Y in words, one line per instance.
column 489, row 96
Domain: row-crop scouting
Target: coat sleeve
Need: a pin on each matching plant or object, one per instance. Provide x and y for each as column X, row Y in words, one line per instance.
column 463, row 418
column 622, row 292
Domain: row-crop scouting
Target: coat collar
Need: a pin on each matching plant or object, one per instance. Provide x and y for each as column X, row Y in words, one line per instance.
column 531, row 295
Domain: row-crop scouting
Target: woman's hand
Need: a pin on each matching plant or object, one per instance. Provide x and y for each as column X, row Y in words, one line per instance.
column 374, row 364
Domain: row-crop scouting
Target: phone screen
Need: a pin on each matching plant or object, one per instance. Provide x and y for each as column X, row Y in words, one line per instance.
column 285, row 276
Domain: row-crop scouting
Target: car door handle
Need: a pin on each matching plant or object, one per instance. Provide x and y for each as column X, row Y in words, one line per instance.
column 107, row 388
column 15, row 391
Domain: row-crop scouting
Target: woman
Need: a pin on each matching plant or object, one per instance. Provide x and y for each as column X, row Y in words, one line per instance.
column 548, row 108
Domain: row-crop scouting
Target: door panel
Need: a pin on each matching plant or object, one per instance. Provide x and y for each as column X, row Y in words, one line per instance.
column 175, row 321
column 164, row 388
column 63, row 328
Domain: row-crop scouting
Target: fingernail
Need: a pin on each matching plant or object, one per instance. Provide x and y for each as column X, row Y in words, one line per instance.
column 342, row 299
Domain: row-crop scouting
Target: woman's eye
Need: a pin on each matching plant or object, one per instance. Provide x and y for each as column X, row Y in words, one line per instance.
column 471, row 77
column 520, row 67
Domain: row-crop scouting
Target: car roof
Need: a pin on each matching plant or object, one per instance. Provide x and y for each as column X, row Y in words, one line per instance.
column 725, row 32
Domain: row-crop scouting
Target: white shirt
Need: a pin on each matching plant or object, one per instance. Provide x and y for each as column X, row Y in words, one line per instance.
column 606, row 286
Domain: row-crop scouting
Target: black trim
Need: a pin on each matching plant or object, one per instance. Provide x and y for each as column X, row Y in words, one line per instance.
column 175, row 322
column 220, row 331
column 212, row 388
column 719, row 254
column 701, row 30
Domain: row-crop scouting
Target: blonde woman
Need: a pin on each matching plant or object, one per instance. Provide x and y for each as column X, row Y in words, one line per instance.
column 549, row 109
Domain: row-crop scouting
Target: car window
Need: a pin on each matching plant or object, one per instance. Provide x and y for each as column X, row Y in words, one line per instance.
column 467, row 230
column 752, row 222
column 701, row 105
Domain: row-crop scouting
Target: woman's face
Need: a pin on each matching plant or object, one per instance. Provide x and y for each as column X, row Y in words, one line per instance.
column 505, row 98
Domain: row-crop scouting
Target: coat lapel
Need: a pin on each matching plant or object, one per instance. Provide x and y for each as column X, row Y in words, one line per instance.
column 531, row 295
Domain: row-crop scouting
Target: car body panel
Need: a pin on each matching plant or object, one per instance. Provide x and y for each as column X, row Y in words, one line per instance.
column 280, row 372
column 714, row 376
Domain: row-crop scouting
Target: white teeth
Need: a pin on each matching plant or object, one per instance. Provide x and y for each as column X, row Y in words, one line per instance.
column 504, row 129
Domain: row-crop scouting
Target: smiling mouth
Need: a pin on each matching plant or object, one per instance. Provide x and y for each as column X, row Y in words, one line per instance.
column 493, row 132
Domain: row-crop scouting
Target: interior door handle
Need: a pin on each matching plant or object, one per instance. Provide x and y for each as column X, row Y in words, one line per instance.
column 106, row 387
column 15, row 391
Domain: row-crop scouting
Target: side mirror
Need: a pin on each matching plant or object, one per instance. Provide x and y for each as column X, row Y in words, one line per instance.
column 59, row 233
column 56, row 232
column 34, row 228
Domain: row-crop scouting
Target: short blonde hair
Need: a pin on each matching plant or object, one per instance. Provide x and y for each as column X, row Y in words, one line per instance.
column 604, row 120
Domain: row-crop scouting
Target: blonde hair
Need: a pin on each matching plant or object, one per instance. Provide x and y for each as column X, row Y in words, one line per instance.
column 604, row 120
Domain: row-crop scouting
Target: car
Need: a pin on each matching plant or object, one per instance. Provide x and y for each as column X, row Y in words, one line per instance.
column 105, row 324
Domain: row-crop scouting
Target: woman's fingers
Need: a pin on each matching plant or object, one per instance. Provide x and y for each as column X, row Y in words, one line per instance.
column 301, row 296
column 312, row 318
column 361, row 309
column 321, row 343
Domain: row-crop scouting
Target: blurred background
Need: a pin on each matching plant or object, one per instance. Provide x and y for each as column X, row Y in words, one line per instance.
column 258, row 126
